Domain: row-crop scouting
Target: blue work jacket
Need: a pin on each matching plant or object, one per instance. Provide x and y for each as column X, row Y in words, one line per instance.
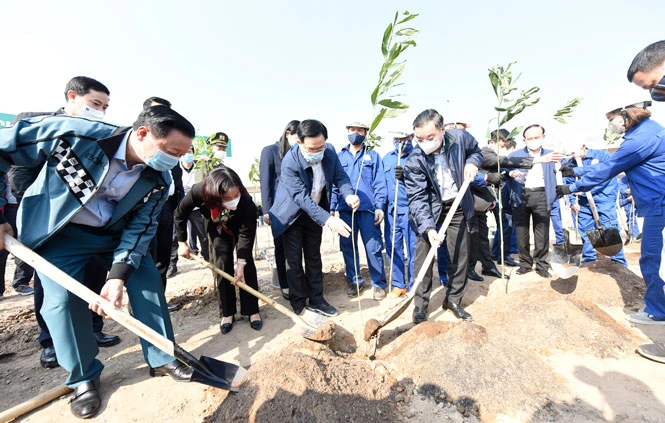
column 389, row 163
column 642, row 156
column 604, row 194
column 371, row 188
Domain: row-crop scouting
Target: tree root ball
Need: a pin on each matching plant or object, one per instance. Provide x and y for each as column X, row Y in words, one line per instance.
column 371, row 327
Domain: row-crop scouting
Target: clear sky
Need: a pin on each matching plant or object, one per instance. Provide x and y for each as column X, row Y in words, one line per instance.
column 248, row 67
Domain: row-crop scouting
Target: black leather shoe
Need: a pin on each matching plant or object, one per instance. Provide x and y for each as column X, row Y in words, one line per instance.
column 508, row 261
column 285, row 295
column 523, row 270
column 544, row 274
column 419, row 317
column 104, row 340
column 86, row 400
column 48, row 360
column 458, row 311
column 177, row 370
column 475, row 276
column 256, row 324
column 492, row 272
column 226, row 327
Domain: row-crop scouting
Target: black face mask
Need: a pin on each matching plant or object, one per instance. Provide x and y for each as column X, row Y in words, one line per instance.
column 658, row 92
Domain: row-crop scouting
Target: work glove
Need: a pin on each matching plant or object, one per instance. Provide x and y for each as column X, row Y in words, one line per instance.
column 562, row 190
column 494, row 179
column 337, row 225
column 399, row 173
column 378, row 216
column 567, row 171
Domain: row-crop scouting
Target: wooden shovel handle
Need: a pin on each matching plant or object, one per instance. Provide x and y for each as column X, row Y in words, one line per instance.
column 27, row 406
column 83, row 292
column 247, row 288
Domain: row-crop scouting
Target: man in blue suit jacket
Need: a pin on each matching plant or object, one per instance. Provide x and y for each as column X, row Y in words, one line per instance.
column 302, row 208
column 434, row 172
column 533, row 195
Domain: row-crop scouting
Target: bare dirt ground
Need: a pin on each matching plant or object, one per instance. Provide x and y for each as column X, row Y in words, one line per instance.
column 538, row 351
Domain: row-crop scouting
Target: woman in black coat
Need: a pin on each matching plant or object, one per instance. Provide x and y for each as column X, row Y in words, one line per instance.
column 230, row 220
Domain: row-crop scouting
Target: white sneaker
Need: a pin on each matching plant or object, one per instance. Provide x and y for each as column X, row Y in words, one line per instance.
column 643, row 318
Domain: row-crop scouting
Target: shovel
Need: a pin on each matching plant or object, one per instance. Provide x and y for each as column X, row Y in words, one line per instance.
column 207, row 371
column 606, row 241
column 567, row 257
column 372, row 326
column 318, row 328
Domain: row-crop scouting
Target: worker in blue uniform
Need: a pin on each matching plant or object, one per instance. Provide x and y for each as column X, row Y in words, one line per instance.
column 604, row 196
column 642, row 157
column 365, row 170
column 628, row 205
column 397, row 216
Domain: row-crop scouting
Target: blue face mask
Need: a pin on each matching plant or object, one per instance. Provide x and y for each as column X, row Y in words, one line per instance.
column 188, row 158
column 356, row 139
column 313, row 158
column 658, row 92
column 406, row 148
column 161, row 161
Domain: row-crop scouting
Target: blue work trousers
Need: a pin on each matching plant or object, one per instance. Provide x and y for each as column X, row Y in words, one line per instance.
column 68, row 316
column 403, row 234
column 608, row 219
column 371, row 235
column 652, row 246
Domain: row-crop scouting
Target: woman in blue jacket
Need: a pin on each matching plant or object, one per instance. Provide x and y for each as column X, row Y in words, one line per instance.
column 642, row 157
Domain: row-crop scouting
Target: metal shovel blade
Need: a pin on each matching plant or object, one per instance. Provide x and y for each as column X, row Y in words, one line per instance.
column 212, row 372
column 566, row 260
column 606, row 241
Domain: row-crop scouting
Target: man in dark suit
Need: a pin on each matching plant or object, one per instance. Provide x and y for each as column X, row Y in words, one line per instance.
column 302, row 207
column 433, row 174
column 533, row 196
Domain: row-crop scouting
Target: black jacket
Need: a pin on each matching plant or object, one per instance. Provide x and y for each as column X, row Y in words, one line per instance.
column 241, row 222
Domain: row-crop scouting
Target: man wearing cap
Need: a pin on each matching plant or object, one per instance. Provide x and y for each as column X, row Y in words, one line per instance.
column 397, row 218
column 365, row 170
column 219, row 141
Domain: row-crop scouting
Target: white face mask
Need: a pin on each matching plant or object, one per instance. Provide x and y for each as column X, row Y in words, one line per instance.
column 617, row 125
column 88, row 112
column 220, row 154
column 534, row 145
column 429, row 147
column 233, row 204
column 503, row 151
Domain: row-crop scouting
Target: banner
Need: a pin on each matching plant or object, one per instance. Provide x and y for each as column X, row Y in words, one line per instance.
column 6, row 120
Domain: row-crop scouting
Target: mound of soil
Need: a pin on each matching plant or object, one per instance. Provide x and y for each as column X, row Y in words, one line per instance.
column 309, row 383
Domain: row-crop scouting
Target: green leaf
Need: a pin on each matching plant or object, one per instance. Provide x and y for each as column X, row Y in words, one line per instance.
column 393, row 113
column 408, row 18
column 392, row 104
column 375, row 94
column 500, row 109
column 494, row 79
column 515, row 132
column 407, row 32
column 377, row 120
column 386, row 39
